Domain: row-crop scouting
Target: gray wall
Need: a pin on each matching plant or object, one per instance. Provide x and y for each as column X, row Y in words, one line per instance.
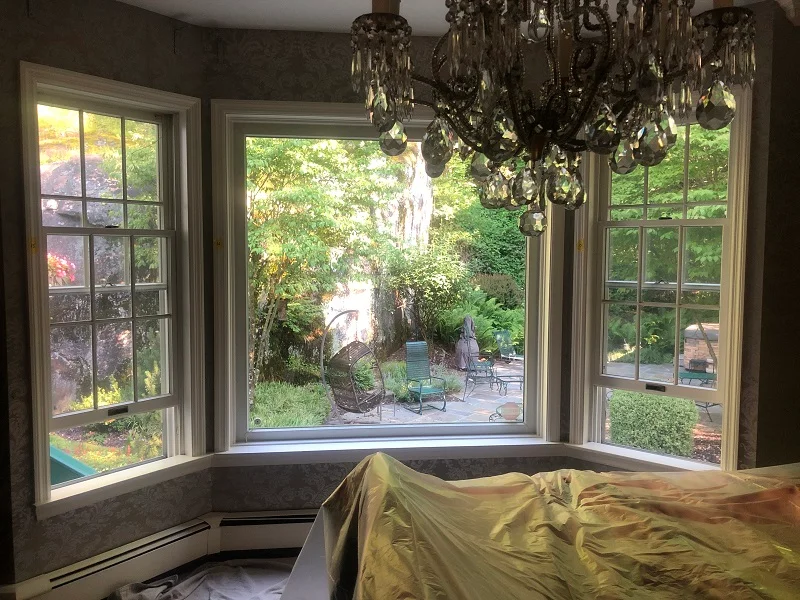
column 119, row 42
column 112, row 40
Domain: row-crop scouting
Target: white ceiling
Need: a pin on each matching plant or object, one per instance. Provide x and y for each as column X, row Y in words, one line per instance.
column 426, row 17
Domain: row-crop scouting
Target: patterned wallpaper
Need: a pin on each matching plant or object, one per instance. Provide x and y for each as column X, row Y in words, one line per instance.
column 114, row 40
column 282, row 487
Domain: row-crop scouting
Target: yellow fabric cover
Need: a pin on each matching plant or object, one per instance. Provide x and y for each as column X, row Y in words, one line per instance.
column 393, row 534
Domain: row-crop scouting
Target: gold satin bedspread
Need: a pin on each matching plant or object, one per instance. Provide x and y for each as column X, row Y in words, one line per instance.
column 392, row 533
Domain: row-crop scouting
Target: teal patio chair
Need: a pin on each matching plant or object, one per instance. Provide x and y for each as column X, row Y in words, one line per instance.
column 421, row 384
column 507, row 351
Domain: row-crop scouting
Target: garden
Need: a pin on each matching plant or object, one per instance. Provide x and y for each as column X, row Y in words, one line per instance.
column 329, row 217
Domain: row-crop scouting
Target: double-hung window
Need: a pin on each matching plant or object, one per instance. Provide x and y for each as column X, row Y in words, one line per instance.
column 664, row 300
column 107, row 182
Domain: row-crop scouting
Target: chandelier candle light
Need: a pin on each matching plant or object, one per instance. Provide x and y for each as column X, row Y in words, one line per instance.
column 614, row 85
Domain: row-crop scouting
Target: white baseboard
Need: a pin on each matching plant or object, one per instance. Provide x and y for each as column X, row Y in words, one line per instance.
column 98, row 576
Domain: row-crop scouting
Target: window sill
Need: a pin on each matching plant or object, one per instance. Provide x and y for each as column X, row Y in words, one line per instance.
column 405, row 448
column 633, row 460
column 91, row 491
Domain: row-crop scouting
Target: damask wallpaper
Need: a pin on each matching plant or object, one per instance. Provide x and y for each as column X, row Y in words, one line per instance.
column 113, row 40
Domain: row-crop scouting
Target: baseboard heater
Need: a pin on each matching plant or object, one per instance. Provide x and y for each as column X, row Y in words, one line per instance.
column 96, row 577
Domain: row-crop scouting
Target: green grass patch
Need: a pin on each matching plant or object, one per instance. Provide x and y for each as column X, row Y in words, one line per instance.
column 278, row 404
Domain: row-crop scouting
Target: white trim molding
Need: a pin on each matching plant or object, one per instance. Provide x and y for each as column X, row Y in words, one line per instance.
column 231, row 122
column 40, row 82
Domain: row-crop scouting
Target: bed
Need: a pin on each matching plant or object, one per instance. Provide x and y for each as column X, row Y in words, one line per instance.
column 389, row 532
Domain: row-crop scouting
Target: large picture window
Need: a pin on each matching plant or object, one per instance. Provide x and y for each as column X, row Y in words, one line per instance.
column 359, row 296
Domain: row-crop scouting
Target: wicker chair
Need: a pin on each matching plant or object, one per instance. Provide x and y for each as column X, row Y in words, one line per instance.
column 346, row 372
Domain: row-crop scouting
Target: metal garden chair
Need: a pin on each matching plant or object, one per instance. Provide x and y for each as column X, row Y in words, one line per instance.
column 421, row 384
column 506, row 348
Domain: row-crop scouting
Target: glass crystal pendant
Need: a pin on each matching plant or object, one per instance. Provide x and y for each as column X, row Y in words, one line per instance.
column 433, row 170
column 602, row 132
column 497, row 188
column 525, row 189
column 532, row 223
column 650, row 81
column 538, row 27
column 480, row 167
column 382, row 112
column 559, row 186
column 395, row 141
column 622, row 161
column 716, row 107
column 577, row 194
column 651, row 145
column 437, row 147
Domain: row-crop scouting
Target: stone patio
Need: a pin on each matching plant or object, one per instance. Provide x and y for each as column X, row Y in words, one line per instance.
column 480, row 403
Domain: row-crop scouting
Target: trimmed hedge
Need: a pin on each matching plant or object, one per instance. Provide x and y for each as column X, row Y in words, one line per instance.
column 657, row 423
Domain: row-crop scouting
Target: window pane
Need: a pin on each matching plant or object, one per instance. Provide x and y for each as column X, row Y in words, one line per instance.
column 702, row 265
column 628, row 189
column 708, row 164
column 657, row 344
column 627, row 214
column 622, row 265
column 149, row 256
column 111, row 261
column 65, row 260
column 104, row 214
column 699, row 348
column 141, row 148
column 84, row 451
column 664, row 213
column 151, row 302
column 144, row 217
column 663, row 424
column 114, row 364
column 71, row 368
column 113, row 305
column 707, row 211
column 61, row 213
column 661, row 264
column 151, row 366
column 59, row 151
column 66, row 307
column 665, row 180
column 620, row 341
column 103, row 150
column 322, row 234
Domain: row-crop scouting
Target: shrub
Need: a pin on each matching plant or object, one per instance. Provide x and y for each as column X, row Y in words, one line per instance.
column 500, row 286
column 432, row 280
column 363, row 376
column 452, row 380
column 489, row 316
column 301, row 372
column 657, row 423
column 278, row 404
column 394, row 378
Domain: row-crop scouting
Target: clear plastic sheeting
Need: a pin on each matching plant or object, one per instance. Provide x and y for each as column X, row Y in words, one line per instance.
column 391, row 532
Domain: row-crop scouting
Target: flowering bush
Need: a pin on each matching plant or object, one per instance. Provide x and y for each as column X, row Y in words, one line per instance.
column 59, row 270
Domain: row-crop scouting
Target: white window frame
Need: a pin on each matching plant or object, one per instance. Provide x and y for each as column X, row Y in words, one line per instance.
column 232, row 121
column 587, row 321
column 42, row 84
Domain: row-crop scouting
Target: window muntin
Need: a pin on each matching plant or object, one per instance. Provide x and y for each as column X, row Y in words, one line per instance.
column 662, row 233
column 106, row 218
column 387, row 180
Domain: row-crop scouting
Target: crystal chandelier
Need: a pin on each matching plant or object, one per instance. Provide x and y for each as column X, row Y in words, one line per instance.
column 525, row 87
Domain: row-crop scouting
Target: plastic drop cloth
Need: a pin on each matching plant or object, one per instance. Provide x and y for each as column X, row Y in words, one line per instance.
column 393, row 533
